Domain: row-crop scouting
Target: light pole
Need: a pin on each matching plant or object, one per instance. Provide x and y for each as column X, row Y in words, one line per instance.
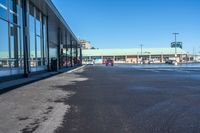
column 175, row 34
column 141, row 46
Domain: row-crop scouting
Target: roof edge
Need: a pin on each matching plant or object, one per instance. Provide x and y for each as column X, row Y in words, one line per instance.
column 57, row 13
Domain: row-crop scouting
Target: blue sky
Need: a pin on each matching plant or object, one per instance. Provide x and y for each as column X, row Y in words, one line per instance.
column 129, row 23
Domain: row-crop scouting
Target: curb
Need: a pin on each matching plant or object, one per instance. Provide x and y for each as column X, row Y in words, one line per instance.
column 76, row 69
column 13, row 87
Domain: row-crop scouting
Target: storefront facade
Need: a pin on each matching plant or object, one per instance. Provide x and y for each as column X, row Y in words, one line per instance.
column 32, row 33
column 134, row 55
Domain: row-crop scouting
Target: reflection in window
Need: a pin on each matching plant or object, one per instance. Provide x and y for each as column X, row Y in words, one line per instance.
column 38, row 45
column 32, row 45
column 14, row 46
column 45, row 49
column 39, row 55
column 14, row 11
column 53, row 52
column 4, row 9
column 11, row 49
column 4, row 51
column 31, row 20
column 38, row 22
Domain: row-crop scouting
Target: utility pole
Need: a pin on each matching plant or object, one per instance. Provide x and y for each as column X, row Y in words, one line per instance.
column 175, row 34
column 141, row 46
column 194, row 54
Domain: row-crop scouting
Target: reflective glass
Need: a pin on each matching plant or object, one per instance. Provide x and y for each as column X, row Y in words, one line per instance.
column 31, row 23
column 14, row 11
column 32, row 47
column 53, row 52
column 37, row 26
column 45, row 41
column 32, row 50
column 39, row 55
column 15, row 50
column 38, row 23
column 4, row 49
column 4, row 9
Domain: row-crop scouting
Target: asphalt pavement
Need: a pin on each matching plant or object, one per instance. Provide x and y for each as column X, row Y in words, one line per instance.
column 130, row 99
column 100, row 99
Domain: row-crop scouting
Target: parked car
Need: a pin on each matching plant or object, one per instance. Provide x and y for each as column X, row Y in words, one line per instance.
column 90, row 62
column 173, row 62
column 1, row 64
column 109, row 62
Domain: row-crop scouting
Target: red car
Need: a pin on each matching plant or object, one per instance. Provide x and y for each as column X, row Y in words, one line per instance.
column 109, row 62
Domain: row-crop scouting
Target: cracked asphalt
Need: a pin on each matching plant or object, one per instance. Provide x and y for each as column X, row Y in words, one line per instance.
column 100, row 99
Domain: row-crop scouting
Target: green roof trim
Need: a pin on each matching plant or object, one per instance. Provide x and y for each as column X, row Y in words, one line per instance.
column 132, row 51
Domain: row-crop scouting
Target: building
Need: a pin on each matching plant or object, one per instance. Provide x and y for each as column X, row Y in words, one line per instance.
column 34, row 36
column 135, row 56
column 85, row 44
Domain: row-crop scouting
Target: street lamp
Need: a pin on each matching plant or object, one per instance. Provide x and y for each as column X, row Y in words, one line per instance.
column 141, row 46
column 175, row 34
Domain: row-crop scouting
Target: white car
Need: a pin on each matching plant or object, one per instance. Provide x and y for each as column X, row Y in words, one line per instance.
column 90, row 62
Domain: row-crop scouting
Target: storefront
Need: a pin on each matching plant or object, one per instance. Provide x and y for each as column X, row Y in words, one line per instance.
column 11, row 40
column 32, row 33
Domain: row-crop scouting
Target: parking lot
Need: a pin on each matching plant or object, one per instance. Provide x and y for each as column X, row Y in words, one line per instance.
column 100, row 99
column 135, row 99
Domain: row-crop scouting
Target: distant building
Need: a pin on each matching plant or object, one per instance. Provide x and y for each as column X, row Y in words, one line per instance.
column 85, row 44
column 135, row 56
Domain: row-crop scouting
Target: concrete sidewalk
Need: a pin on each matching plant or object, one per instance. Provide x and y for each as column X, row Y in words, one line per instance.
column 12, row 84
column 38, row 107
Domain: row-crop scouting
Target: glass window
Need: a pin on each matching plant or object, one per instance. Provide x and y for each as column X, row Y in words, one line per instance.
column 38, row 23
column 15, row 45
column 31, row 20
column 37, row 48
column 32, row 52
column 4, row 49
column 38, row 27
column 45, row 36
column 53, row 52
column 45, row 49
column 39, row 51
column 31, row 9
column 14, row 11
column 32, row 45
column 21, row 33
column 4, row 9
column 39, row 55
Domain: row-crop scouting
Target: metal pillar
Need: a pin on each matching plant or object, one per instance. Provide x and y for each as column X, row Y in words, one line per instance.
column 47, row 34
column 81, row 56
column 175, row 34
column 25, row 37
column 71, row 60
column 59, row 50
